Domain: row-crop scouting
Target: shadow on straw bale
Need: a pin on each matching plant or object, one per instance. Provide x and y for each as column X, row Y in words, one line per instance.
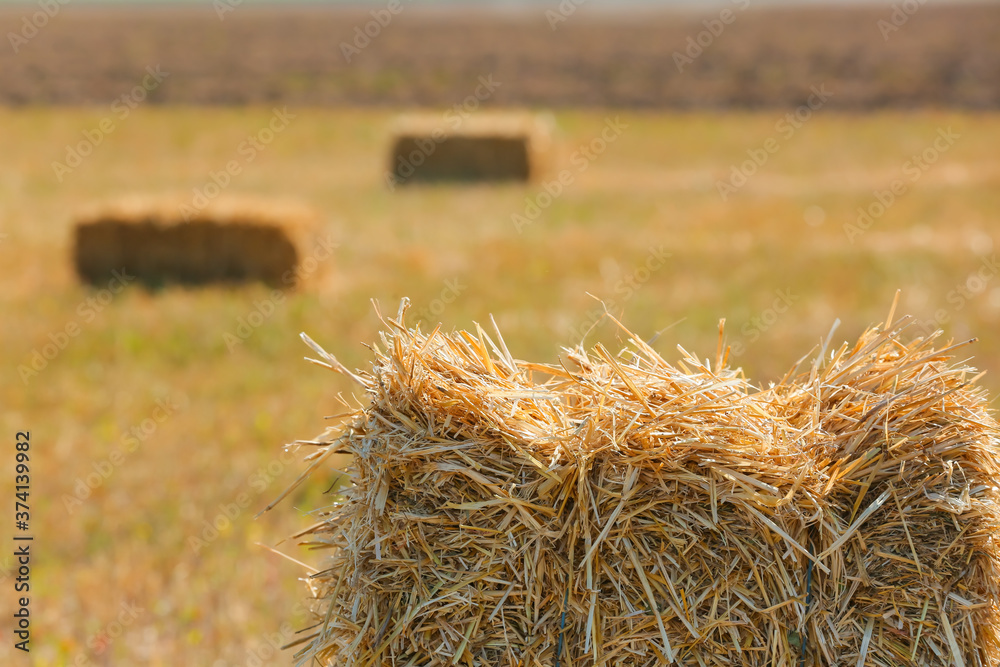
column 234, row 240
column 620, row 510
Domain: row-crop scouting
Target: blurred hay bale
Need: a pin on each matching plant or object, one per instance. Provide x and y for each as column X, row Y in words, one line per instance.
column 229, row 240
column 487, row 146
column 620, row 510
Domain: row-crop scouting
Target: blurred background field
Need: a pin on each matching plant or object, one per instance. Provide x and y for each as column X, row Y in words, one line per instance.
column 166, row 410
column 567, row 54
column 780, row 235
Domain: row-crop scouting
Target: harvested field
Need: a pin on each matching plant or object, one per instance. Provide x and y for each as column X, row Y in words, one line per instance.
column 156, row 532
column 161, row 242
column 622, row 510
column 766, row 57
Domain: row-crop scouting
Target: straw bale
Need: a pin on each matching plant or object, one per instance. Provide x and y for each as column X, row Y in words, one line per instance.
column 483, row 147
column 229, row 240
column 617, row 509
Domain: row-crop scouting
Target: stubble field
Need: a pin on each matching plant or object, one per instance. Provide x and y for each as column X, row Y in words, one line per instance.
column 149, row 423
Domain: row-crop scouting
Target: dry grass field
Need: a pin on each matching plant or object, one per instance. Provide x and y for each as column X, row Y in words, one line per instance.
column 154, row 413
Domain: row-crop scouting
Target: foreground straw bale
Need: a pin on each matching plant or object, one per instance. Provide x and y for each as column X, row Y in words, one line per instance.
column 483, row 147
column 229, row 240
column 620, row 510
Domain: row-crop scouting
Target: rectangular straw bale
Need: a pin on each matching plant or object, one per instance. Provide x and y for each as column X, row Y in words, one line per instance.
column 230, row 240
column 483, row 147
column 620, row 510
